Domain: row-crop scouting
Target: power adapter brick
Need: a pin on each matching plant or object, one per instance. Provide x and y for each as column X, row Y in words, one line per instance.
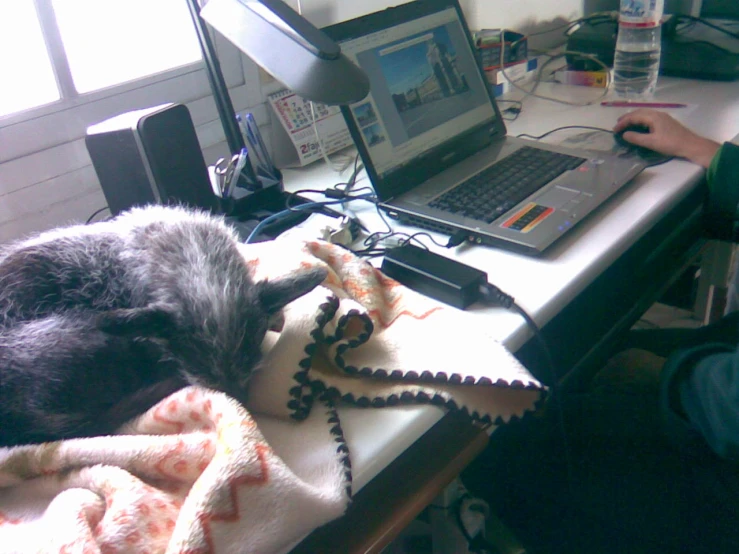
column 433, row 275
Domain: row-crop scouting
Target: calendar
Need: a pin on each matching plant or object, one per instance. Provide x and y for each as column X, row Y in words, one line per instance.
column 294, row 141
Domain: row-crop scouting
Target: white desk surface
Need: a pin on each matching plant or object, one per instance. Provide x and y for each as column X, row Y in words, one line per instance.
column 543, row 286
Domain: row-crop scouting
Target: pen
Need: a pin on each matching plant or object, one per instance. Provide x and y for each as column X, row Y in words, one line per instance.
column 255, row 156
column 257, row 135
column 627, row 104
column 250, row 169
column 263, row 153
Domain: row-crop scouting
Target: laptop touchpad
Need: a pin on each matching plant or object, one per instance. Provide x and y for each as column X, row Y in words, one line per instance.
column 557, row 197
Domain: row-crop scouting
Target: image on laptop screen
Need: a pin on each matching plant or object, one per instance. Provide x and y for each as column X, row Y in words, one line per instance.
column 426, row 88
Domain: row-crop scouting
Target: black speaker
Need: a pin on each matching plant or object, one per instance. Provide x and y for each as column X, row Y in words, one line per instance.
column 150, row 156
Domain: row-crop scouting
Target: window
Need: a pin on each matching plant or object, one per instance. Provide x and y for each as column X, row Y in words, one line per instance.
column 131, row 39
column 24, row 59
column 93, row 44
column 68, row 64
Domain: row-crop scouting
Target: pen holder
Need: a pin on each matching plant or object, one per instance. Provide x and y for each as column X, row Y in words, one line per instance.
column 267, row 198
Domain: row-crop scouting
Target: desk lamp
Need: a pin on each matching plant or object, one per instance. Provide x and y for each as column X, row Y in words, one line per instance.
column 284, row 44
column 290, row 48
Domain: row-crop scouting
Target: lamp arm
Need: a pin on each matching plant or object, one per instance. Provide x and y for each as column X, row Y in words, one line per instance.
column 225, row 108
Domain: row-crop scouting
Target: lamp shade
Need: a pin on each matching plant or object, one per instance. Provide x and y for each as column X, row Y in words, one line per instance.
column 290, row 48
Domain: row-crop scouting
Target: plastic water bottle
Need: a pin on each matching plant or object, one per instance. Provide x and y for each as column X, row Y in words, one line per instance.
column 638, row 49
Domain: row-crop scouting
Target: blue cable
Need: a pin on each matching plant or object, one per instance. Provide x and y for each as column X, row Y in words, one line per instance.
column 302, row 207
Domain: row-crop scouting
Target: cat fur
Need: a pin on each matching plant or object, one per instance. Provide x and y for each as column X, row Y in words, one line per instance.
column 99, row 322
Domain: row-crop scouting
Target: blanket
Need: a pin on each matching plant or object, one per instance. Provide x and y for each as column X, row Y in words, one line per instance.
column 199, row 472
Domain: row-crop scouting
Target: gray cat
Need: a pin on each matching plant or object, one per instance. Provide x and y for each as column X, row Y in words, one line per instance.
column 99, row 322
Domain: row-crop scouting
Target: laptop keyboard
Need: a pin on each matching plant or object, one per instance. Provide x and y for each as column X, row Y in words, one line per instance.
column 498, row 188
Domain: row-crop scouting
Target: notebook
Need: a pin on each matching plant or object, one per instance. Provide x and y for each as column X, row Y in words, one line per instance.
column 434, row 144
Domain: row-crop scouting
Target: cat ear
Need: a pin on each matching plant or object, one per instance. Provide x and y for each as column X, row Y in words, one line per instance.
column 275, row 295
column 154, row 320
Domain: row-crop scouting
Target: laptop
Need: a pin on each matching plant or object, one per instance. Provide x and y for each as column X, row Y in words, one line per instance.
column 434, row 144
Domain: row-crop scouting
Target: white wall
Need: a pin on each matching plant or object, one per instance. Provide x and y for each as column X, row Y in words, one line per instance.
column 525, row 16
column 46, row 177
column 520, row 15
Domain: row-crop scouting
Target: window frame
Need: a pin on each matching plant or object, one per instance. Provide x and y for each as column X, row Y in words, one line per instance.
column 172, row 85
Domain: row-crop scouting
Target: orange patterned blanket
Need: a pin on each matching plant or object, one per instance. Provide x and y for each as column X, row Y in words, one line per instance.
column 201, row 473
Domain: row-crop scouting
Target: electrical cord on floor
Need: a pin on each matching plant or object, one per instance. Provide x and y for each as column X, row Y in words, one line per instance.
column 477, row 544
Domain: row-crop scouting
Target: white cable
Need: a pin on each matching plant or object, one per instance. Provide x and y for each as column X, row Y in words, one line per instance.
column 531, row 92
column 319, row 140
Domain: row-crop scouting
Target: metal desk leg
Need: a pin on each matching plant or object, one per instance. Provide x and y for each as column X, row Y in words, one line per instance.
column 716, row 266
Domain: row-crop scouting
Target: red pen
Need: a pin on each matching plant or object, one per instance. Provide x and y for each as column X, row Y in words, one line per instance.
column 627, row 104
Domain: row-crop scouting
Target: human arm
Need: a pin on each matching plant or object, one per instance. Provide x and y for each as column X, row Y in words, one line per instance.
column 670, row 137
column 667, row 136
column 721, row 217
column 699, row 386
column 698, row 391
column 699, row 398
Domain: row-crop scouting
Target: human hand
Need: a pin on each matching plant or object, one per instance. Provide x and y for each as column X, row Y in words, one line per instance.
column 667, row 136
column 633, row 370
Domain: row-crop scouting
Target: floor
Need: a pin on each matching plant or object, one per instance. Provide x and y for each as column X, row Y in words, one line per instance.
column 663, row 315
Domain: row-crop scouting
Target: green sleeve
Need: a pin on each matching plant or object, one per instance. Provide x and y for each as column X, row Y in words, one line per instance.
column 722, row 204
column 694, row 409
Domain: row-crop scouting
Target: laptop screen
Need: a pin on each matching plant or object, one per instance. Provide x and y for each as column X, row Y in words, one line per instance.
column 426, row 88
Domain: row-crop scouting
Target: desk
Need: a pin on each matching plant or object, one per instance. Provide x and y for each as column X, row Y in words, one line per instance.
column 589, row 287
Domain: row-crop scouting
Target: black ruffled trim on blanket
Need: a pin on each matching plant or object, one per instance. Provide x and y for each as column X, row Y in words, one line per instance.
column 360, row 339
column 342, row 450
column 300, row 403
column 428, row 377
column 332, row 394
column 398, row 375
column 302, row 400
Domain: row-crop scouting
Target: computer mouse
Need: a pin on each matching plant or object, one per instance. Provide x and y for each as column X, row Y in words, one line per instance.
column 636, row 128
column 650, row 156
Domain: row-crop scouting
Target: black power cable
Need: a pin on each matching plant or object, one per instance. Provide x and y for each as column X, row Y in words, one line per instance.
column 96, row 212
column 539, row 137
column 701, row 21
column 490, row 294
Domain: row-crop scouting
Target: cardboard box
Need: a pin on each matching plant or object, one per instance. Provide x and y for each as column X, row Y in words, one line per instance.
column 520, row 71
column 598, row 79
